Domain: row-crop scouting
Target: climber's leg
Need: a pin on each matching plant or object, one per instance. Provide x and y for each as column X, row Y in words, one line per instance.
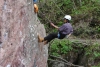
column 61, row 36
column 47, row 38
column 50, row 37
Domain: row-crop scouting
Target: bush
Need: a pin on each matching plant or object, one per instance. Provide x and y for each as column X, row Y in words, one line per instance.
column 58, row 47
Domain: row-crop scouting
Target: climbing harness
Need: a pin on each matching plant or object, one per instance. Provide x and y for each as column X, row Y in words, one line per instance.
column 67, row 36
column 58, row 35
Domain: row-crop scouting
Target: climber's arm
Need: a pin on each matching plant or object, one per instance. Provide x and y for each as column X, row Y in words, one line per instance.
column 54, row 26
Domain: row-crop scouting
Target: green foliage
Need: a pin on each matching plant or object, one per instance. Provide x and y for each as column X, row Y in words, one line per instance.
column 96, row 51
column 98, row 29
column 97, row 65
column 65, row 46
column 60, row 47
column 96, row 54
column 82, row 11
column 60, row 23
column 54, row 48
column 93, row 51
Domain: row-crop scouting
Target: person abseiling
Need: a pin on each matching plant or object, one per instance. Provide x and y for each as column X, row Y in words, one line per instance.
column 63, row 31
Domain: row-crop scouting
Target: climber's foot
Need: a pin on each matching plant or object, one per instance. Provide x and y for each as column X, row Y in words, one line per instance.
column 45, row 42
column 40, row 39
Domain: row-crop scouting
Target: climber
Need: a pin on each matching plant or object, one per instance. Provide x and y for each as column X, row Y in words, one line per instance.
column 63, row 31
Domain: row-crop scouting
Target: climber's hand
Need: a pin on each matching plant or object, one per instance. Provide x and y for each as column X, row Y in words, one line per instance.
column 54, row 26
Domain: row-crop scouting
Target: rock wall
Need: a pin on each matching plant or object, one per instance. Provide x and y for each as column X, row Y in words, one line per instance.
column 19, row 26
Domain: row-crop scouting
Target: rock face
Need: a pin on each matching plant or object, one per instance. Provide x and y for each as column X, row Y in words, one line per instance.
column 19, row 26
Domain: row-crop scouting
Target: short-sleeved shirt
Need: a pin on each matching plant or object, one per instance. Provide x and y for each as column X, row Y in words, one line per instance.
column 66, row 29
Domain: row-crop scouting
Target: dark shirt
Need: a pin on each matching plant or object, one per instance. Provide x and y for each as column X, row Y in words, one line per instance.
column 66, row 29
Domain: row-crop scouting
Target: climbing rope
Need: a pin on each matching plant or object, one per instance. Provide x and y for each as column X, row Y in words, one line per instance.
column 46, row 17
column 58, row 7
column 49, row 21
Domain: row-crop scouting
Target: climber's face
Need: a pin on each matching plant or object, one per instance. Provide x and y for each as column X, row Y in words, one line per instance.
column 65, row 20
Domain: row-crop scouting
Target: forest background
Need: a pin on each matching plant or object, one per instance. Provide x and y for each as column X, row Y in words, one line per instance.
column 86, row 23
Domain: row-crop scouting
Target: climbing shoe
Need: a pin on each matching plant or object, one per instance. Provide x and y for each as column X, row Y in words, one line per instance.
column 35, row 8
column 40, row 39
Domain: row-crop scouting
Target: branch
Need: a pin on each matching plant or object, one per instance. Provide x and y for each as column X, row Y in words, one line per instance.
column 64, row 61
column 59, row 58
